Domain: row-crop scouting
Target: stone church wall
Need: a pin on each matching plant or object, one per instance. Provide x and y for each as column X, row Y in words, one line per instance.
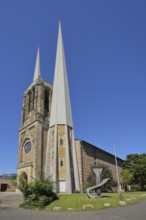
column 89, row 156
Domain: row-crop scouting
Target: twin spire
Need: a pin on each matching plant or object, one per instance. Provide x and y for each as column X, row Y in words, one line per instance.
column 60, row 114
column 61, row 107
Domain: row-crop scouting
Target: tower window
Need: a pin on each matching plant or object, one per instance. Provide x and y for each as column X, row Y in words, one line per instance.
column 46, row 100
column 33, row 97
column 61, row 163
column 61, row 142
column 29, row 101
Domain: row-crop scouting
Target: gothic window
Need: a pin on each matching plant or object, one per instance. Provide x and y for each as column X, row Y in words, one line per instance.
column 61, row 163
column 46, row 100
column 29, row 101
column 33, row 98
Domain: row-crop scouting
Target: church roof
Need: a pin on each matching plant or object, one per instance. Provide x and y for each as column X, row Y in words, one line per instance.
column 61, row 107
column 99, row 149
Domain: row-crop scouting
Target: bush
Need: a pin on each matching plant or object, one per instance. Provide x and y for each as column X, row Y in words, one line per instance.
column 135, row 188
column 88, row 184
column 107, row 173
column 37, row 194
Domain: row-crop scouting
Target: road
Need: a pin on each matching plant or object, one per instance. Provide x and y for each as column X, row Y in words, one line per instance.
column 132, row 212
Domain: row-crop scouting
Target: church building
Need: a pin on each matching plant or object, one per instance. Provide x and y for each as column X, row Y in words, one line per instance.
column 47, row 145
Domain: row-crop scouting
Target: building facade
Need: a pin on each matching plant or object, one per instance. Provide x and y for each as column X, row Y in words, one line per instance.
column 47, row 146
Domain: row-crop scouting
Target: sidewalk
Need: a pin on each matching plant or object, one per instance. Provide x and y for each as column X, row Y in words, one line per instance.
column 10, row 199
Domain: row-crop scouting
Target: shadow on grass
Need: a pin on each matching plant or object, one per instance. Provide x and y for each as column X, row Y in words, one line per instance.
column 100, row 197
column 106, row 196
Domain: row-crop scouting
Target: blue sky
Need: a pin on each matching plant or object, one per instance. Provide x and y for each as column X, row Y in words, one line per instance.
column 105, row 47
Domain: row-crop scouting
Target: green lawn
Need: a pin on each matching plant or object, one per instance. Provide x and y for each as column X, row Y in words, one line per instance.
column 77, row 201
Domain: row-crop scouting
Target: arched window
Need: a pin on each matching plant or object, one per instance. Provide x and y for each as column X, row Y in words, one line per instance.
column 29, row 101
column 33, row 97
column 46, row 100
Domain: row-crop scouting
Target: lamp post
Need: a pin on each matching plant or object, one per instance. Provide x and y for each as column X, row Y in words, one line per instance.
column 119, row 188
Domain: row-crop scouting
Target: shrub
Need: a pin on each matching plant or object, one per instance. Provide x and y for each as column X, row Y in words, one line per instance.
column 76, row 191
column 107, row 173
column 135, row 188
column 37, row 194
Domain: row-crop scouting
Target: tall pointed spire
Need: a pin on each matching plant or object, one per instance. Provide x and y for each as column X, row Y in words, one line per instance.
column 37, row 71
column 61, row 157
column 61, row 107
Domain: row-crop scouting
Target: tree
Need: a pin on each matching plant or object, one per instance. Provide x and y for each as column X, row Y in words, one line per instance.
column 136, row 164
column 126, row 177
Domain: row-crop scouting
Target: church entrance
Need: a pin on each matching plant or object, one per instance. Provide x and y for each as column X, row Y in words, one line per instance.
column 62, row 186
column 24, row 176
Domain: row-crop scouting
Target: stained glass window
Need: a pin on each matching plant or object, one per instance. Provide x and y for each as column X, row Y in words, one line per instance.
column 27, row 147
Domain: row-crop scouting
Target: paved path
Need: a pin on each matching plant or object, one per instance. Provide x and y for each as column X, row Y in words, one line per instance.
column 10, row 199
column 131, row 212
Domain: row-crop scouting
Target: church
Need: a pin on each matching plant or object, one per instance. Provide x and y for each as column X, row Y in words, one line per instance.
column 47, row 145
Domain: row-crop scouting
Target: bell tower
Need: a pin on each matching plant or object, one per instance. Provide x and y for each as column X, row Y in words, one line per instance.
column 34, row 126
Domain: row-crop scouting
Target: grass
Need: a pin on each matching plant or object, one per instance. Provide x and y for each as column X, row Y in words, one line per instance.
column 77, row 201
